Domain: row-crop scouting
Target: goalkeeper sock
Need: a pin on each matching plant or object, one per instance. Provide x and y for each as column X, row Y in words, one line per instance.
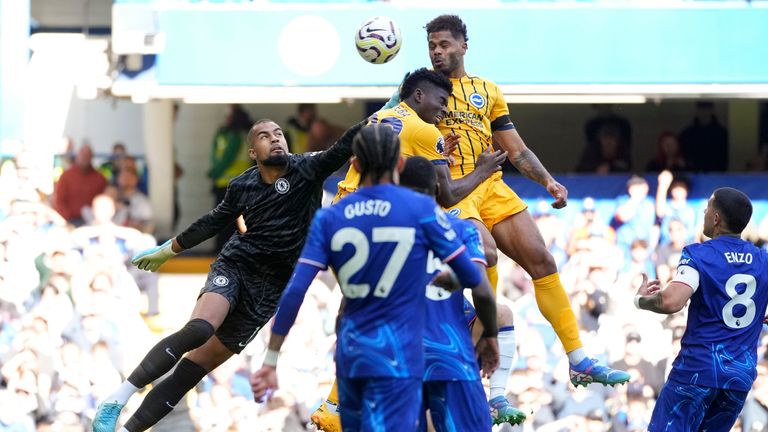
column 161, row 358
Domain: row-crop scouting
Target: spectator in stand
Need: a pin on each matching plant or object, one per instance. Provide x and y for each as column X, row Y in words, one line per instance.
column 669, row 155
column 130, row 163
column 229, row 158
column 606, row 117
column 668, row 253
column 134, row 204
column 298, row 129
column 77, row 187
column 111, row 168
column 644, row 373
column 635, row 215
column 322, row 135
column 639, row 260
column 676, row 208
column 705, row 141
column 588, row 225
column 119, row 243
column 609, row 155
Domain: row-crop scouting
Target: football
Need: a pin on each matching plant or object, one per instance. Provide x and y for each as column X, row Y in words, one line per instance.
column 378, row 40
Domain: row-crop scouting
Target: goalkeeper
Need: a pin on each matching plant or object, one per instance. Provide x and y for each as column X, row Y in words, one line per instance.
column 278, row 198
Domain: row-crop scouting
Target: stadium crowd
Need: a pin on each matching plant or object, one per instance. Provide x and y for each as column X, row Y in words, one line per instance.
column 73, row 320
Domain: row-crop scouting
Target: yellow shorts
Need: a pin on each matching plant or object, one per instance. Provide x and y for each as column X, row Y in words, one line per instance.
column 491, row 202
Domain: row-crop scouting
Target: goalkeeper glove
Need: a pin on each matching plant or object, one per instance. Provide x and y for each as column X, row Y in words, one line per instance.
column 152, row 258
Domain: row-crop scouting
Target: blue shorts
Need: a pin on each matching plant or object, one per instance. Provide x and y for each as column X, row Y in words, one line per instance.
column 689, row 407
column 456, row 406
column 379, row 404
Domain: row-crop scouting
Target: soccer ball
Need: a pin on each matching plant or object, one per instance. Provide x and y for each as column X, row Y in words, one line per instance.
column 378, row 40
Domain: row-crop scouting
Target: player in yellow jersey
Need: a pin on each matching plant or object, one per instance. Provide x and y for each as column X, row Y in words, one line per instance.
column 424, row 95
column 478, row 113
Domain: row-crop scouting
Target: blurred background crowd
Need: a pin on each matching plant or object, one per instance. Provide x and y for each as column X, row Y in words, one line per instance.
column 74, row 314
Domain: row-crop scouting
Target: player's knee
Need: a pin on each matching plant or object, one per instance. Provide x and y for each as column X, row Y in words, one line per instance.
column 196, row 332
column 504, row 315
column 542, row 264
column 211, row 354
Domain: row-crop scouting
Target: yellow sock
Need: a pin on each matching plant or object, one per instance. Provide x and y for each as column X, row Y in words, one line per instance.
column 554, row 305
column 493, row 277
column 333, row 396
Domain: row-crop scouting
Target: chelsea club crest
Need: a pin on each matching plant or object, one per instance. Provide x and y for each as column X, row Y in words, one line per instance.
column 282, row 186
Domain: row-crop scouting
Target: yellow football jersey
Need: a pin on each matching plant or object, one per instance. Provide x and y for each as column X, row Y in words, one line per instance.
column 472, row 107
column 417, row 138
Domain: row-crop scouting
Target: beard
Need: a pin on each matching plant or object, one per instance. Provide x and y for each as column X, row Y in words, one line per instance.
column 276, row 160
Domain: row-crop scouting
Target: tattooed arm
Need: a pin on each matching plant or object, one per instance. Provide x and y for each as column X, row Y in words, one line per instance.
column 529, row 165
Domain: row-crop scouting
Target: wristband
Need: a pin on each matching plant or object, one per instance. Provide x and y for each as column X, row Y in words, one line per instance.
column 488, row 334
column 271, row 358
column 637, row 301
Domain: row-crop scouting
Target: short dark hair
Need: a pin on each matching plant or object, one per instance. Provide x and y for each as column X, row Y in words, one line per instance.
column 249, row 137
column 419, row 77
column 377, row 149
column 419, row 175
column 734, row 206
column 451, row 23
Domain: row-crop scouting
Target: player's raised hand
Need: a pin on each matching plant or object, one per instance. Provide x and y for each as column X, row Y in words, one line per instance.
column 559, row 193
column 151, row 259
column 648, row 287
column 264, row 383
column 487, row 350
column 451, row 143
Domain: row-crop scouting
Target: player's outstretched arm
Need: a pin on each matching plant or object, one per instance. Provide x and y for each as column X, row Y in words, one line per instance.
column 214, row 221
column 668, row 300
column 202, row 229
column 324, row 163
column 451, row 191
column 529, row 165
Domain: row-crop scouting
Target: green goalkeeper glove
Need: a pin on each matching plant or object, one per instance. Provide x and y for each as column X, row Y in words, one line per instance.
column 152, row 258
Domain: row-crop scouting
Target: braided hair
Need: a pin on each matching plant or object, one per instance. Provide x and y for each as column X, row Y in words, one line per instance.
column 377, row 149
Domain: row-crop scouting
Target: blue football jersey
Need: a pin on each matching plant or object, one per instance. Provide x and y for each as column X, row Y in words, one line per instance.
column 377, row 241
column 448, row 351
column 725, row 315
